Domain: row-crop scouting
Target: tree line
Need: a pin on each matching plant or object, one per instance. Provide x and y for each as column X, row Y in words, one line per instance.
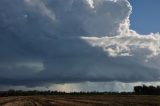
column 47, row 93
column 147, row 90
column 29, row 93
column 138, row 90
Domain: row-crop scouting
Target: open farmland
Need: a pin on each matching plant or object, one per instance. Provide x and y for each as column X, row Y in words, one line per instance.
column 81, row 100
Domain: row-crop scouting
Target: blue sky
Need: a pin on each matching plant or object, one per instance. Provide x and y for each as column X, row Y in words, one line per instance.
column 145, row 16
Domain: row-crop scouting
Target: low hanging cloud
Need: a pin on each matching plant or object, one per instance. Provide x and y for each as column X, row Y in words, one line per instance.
column 66, row 41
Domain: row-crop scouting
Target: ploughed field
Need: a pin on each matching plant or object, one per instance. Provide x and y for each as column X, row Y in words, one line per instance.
column 81, row 100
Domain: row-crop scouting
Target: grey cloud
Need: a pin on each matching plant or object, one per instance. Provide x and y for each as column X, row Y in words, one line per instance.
column 63, row 41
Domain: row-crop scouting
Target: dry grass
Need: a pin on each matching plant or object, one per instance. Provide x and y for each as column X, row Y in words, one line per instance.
column 81, row 100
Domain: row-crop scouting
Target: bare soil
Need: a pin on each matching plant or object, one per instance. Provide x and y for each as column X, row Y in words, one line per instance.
column 81, row 100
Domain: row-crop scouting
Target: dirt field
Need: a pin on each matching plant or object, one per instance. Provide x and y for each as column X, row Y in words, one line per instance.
column 96, row 100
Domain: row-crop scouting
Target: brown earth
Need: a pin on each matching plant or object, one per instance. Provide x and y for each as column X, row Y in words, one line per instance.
column 85, row 100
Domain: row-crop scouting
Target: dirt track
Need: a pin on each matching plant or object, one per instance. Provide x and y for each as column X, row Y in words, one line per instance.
column 98, row 100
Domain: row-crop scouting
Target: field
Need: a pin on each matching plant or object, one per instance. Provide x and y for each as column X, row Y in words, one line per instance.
column 81, row 100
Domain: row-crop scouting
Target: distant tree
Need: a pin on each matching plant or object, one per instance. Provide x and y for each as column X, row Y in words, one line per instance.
column 148, row 90
column 138, row 89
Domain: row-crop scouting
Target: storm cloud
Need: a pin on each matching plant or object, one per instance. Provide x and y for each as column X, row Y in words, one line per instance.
column 71, row 41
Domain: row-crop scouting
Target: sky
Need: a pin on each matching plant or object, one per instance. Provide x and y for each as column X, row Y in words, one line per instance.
column 145, row 16
column 74, row 45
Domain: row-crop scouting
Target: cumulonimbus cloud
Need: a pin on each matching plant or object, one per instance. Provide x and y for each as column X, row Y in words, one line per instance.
column 62, row 41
